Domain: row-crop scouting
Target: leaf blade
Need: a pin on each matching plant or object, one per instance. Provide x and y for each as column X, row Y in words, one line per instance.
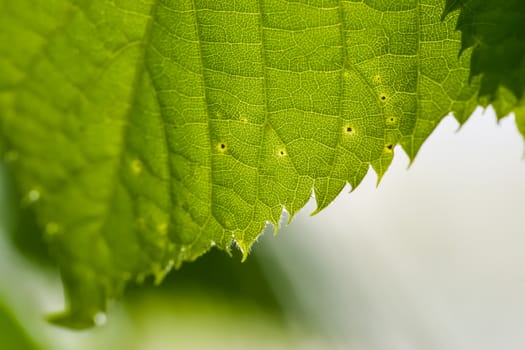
column 159, row 130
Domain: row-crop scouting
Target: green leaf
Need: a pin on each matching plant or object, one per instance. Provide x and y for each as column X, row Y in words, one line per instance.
column 144, row 133
column 494, row 30
column 12, row 334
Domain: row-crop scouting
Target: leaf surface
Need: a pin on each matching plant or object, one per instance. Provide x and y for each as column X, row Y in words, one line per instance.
column 144, row 133
column 493, row 29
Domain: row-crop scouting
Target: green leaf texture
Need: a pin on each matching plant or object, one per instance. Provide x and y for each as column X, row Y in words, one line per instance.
column 144, row 133
column 494, row 30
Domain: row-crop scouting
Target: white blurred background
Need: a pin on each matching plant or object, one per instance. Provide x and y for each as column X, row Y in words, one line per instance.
column 432, row 259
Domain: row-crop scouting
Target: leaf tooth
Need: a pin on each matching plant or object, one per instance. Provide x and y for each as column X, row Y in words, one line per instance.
column 326, row 190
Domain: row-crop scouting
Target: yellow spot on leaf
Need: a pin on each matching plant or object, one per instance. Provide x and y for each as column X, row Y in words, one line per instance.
column 349, row 129
column 52, row 228
column 391, row 120
column 162, row 228
column 136, row 166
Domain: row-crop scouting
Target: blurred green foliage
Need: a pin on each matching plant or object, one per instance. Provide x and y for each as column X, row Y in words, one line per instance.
column 12, row 335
